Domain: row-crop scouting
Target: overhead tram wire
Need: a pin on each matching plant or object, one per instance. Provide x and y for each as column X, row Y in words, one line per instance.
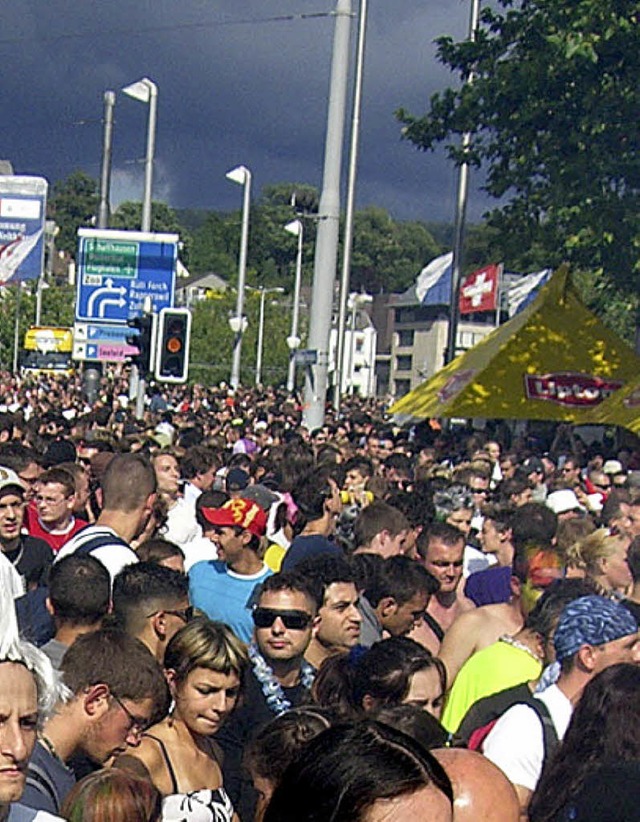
column 283, row 18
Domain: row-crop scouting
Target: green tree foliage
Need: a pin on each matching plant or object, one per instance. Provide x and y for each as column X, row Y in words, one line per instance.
column 57, row 309
column 212, row 339
column 164, row 220
column 73, row 205
column 215, row 247
column 553, row 114
column 272, row 251
column 387, row 255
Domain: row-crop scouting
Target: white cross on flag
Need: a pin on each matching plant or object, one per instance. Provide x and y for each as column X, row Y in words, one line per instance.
column 479, row 290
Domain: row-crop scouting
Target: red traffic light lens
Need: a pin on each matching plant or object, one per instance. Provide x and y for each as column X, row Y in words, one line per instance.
column 174, row 345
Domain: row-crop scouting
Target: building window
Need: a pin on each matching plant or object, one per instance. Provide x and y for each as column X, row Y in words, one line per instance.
column 405, row 338
column 404, row 362
column 405, row 315
column 402, row 387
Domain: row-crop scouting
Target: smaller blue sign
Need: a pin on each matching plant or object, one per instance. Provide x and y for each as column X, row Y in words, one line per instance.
column 115, row 333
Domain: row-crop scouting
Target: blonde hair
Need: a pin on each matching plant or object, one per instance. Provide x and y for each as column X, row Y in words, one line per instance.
column 588, row 553
column 570, row 532
column 204, row 643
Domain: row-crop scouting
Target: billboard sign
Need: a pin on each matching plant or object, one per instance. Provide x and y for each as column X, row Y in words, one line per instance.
column 23, row 205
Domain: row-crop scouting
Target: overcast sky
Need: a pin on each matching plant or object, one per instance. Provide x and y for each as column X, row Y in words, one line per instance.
column 235, row 87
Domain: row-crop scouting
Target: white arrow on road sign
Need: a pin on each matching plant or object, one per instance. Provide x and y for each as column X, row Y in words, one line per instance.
column 104, row 293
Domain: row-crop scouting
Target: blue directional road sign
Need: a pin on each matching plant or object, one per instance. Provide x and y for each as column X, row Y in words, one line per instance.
column 118, row 270
column 105, row 343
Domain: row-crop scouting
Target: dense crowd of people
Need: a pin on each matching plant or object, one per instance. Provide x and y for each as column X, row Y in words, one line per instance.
column 214, row 613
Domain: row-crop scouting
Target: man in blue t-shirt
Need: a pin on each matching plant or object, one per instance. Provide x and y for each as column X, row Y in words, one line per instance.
column 226, row 588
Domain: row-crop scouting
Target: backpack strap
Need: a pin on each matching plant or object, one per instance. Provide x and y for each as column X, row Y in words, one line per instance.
column 549, row 734
column 40, row 781
column 99, row 540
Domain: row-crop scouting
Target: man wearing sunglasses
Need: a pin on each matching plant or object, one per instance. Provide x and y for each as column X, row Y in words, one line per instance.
column 284, row 619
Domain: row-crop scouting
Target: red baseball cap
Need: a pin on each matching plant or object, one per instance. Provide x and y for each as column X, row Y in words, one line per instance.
column 241, row 512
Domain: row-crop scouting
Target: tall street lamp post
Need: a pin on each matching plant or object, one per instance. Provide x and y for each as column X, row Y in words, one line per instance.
column 241, row 176
column 146, row 91
column 105, row 171
column 296, row 228
column 326, row 253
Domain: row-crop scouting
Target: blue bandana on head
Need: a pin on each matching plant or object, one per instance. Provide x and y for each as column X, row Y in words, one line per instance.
column 591, row 620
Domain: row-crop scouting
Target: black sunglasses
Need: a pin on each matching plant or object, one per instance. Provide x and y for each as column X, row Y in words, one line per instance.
column 293, row 620
column 185, row 614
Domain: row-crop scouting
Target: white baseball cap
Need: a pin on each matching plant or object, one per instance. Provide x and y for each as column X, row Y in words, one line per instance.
column 9, row 479
column 562, row 501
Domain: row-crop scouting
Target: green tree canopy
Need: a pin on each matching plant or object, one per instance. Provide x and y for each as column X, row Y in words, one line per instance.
column 388, row 255
column 73, row 205
column 212, row 339
column 164, row 220
column 553, row 115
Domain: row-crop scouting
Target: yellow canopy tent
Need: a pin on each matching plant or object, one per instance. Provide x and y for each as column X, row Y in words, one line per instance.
column 622, row 408
column 553, row 361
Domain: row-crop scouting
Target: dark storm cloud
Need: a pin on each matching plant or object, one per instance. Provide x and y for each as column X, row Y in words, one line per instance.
column 235, row 87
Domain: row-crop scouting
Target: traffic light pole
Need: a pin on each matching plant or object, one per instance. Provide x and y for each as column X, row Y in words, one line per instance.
column 140, row 394
column 142, row 382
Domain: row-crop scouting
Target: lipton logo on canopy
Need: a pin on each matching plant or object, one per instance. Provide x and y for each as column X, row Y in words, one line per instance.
column 566, row 388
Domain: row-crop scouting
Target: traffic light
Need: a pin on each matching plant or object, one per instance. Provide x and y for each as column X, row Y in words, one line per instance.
column 143, row 338
column 172, row 352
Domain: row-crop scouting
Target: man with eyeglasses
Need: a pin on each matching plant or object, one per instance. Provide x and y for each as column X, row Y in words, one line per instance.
column 151, row 603
column 53, row 519
column 284, row 619
column 117, row 691
column 25, row 462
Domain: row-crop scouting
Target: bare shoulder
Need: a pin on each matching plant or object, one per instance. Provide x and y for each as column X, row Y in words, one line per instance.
column 498, row 614
column 145, row 760
column 465, row 604
column 468, row 619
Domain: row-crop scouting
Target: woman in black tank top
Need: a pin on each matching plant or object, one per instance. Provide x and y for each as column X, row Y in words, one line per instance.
column 205, row 664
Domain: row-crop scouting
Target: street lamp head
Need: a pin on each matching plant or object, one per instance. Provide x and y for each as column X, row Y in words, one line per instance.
column 238, row 324
column 240, row 175
column 294, row 227
column 141, row 90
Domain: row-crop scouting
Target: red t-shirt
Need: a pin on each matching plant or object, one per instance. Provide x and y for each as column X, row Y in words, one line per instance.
column 36, row 528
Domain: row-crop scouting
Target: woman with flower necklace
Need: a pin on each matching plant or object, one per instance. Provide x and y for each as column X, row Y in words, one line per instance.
column 205, row 664
column 278, row 677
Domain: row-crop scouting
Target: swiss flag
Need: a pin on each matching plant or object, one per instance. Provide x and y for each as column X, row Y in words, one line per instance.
column 479, row 291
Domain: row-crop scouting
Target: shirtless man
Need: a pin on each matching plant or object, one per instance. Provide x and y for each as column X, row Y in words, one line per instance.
column 480, row 789
column 440, row 550
column 482, row 627
column 533, row 528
